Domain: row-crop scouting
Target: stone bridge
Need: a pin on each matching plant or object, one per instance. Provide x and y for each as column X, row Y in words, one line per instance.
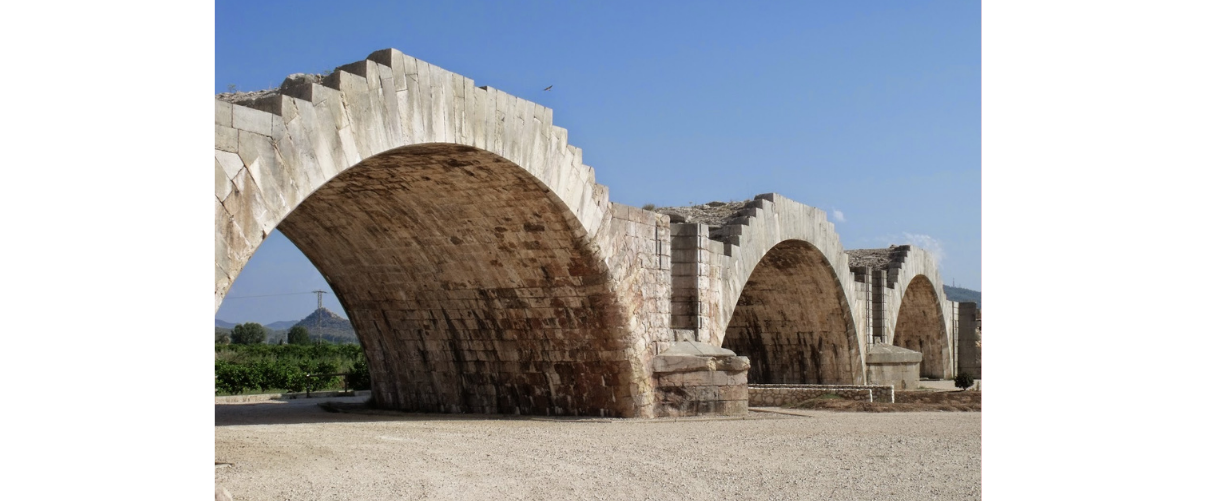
column 485, row 270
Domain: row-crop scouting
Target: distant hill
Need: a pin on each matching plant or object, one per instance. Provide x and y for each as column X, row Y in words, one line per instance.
column 332, row 327
column 962, row 295
column 282, row 325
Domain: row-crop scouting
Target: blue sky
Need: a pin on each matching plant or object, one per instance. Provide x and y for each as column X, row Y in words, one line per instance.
column 869, row 109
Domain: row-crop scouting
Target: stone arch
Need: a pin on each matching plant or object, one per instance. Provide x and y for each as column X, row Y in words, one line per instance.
column 907, row 264
column 778, row 267
column 272, row 149
column 920, row 327
column 792, row 322
column 463, row 235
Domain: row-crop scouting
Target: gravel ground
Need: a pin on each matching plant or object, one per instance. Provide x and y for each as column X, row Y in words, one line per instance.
column 297, row 451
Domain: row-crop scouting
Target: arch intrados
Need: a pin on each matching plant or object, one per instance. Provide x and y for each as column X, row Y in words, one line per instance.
column 920, row 326
column 481, row 280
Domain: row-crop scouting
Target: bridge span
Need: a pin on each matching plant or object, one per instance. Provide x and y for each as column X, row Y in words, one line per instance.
column 484, row 270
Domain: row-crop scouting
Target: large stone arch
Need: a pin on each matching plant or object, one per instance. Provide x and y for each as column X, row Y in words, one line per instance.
column 481, row 265
column 780, row 288
column 791, row 321
column 913, row 299
column 919, row 327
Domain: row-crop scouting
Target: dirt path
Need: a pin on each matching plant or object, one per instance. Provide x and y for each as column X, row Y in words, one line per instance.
column 296, row 451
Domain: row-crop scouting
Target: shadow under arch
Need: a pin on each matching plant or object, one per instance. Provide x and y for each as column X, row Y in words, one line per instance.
column 469, row 284
column 919, row 327
column 793, row 322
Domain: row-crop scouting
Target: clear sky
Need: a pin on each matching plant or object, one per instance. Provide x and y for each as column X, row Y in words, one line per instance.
column 868, row 110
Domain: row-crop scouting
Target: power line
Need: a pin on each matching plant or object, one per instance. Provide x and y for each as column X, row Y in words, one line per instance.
column 269, row 295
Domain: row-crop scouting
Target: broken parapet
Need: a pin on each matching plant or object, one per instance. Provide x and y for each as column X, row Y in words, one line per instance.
column 697, row 379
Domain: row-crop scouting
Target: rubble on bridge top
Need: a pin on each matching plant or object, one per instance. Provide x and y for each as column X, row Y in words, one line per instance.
column 874, row 259
column 713, row 214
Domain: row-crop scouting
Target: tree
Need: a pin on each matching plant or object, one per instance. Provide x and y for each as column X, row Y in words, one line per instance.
column 248, row 333
column 222, row 338
column 299, row 335
column 964, row 381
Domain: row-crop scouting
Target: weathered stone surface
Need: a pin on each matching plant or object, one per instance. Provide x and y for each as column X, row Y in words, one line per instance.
column 970, row 349
column 695, row 379
column 485, row 270
column 887, row 354
column 226, row 138
column 222, row 183
column 229, row 162
column 223, row 113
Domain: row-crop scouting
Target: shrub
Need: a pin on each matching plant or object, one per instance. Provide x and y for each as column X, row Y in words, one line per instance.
column 358, row 378
column 964, row 381
column 235, row 379
column 320, row 382
column 649, row 207
column 280, row 375
column 241, row 368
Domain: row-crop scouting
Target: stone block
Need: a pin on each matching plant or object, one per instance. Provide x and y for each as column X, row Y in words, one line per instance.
column 222, row 184
column 699, row 378
column 225, row 138
column 683, row 363
column 223, row 113
column 732, row 364
column 733, row 393
column 230, row 163
column 252, row 120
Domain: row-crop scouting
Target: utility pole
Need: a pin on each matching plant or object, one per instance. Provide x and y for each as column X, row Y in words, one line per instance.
column 318, row 328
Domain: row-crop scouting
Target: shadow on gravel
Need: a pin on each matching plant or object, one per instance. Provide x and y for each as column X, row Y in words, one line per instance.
column 354, row 410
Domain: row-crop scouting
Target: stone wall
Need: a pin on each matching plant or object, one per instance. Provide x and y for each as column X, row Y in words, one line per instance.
column 639, row 246
column 692, row 280
column 970, row 352
column 782, row 395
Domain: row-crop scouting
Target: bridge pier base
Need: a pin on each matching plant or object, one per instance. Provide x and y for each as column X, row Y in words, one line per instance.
column 894, row 366
column 698, row 379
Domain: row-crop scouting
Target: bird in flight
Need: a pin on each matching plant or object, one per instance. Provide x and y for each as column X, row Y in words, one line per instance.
column 548, row 88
